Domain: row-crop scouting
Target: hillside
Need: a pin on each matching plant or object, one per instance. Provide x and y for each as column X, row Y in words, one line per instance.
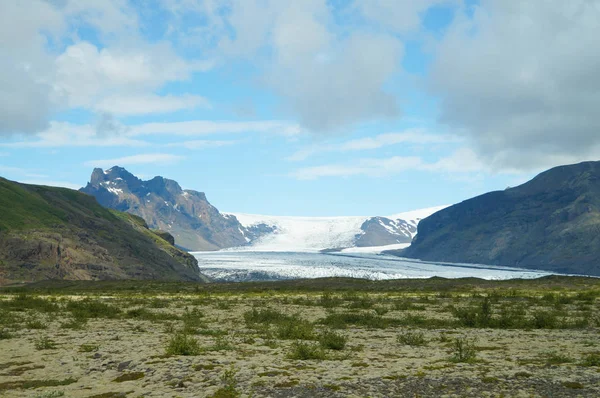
column 186, row 214
column 551, row 223
column 58, row 233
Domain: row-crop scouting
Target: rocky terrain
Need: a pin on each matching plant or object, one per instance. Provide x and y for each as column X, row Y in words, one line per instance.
column 58, row 233
column 320, row 338
column 550, row 223
column 186, row 214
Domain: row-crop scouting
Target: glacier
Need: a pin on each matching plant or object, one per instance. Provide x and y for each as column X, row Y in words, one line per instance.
column 311, row 234
column 244, row 265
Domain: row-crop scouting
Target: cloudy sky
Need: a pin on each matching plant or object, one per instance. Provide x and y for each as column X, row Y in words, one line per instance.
column 312, row 107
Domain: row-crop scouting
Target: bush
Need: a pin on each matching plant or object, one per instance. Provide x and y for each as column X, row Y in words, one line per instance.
column 544, row 320
column 592, row 359
column 264, row 316
column 412, row 338
column 306, row 351
column 88, row 308
column 295, row 329
column 182, row 344
column 45, row 343
column 332, row 340
column 463, row 350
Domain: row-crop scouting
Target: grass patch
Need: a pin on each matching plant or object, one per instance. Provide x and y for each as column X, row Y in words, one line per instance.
column 332, row 340
column 129, row 377
column 463, row 350
column 412, row 338
column 45, row 343
column 183, row 344
column 89, row 348
column 229, row 388
column 592, row 359
column 27, row 384
column 306, row 351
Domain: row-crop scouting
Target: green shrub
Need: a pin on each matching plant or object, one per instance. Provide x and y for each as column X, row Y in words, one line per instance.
column 229, row 389
column 88, row 347
column 463, row 350
column 5, row 334
column 332, row 340
column 36, row 324
column 544, row 320
column 327, row 300
column 412, row 338
column 183, row 344
column 263, row 316
column 44, row 343
column 88, row 308
column 592, row 359
column 306, row 351
column 295, row 328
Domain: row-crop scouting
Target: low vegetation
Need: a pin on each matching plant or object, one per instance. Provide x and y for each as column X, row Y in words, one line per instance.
column 431, row 337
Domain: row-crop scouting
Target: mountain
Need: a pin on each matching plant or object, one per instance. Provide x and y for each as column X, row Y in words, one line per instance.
column 287, row 233
column 550, row 223
column 199, row 226
column 186, row 214
column 58, row 233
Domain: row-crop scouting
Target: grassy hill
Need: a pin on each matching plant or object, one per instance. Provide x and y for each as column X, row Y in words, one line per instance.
column 59, row 233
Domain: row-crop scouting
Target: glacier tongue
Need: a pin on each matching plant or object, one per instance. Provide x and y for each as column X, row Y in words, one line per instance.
column 311, row 234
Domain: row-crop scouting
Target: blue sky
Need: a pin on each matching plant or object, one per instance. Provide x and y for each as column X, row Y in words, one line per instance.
column 315, row 107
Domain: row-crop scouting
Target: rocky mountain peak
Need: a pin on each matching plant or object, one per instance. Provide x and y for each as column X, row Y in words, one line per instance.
column 187, row 215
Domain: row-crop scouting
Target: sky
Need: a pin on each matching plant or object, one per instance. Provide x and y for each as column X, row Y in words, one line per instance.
column 311, row 108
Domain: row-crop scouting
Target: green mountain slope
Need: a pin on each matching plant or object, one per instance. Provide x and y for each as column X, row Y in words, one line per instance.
column 58, row 233
column 551, row 222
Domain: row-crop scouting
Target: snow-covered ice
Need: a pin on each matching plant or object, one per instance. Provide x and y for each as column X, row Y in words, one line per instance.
column 311, row 234
column 248, row 265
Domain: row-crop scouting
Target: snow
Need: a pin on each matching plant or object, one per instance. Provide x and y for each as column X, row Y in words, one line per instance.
column 116, row 191
column 312, row 234
column 375, row 249
column 413, row 217
column 390, row 229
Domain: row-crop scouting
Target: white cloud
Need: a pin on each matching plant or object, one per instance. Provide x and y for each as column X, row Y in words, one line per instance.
column 91, row 77
column 201, row 144
column 520, row 78
column 400, row 16
column 149, row 104
column 37, row 78
column 208, row 127
column 328, row 72
column 412, row 136
column 63, row 134
column 148, row 158
column 461, row 161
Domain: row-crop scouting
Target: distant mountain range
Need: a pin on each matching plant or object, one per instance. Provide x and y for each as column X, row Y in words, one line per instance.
column 199, row 226
column 58, row 233
column 550, row 223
